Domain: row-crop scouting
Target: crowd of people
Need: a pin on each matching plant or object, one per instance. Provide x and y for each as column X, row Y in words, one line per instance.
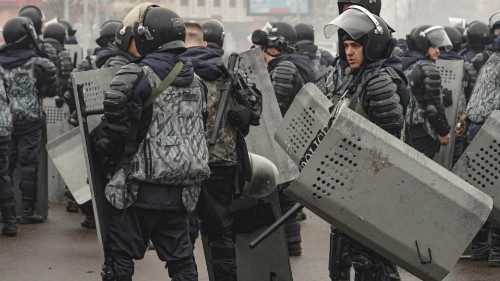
column 178, row 178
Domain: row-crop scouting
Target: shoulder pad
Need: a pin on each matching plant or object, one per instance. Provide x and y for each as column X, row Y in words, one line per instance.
column 286, row 65
column 120, row 90
column 116, row 61
column 383, row 83
column 284, row 71
column 430, row 70
column 46, row 65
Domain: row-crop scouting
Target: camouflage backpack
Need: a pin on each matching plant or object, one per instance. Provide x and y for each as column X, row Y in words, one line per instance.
column 20, row 85
column 174, row 151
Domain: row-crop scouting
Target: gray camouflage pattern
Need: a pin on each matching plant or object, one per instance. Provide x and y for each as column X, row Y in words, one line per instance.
column 334, row 82
column 5, row 115
column 25, row 103
column 485, row 97
column 174, row 151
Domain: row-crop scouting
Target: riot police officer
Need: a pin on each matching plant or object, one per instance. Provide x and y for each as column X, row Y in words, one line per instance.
column 116, row 49
column 70, row 38
column 226, row 161
column 339, row 66
column 429, row 128
column 376, row 85
column 484, row 100
column 320, row 58
column 55, row 35
column 36, row 15
column 158, row 141
column 477, row 36
column 289, row 72
column 213, row 34
column 27, row 79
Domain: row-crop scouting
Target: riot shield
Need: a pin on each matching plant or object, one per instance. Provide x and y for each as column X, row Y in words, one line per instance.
column 269, row 261
column 480, row 163
column 57, row 125
column 391, row 198
column 451, row 79
column 89, row 88
column 260, row 140
column 76, row 53
column 66, row 154
column 307, row 115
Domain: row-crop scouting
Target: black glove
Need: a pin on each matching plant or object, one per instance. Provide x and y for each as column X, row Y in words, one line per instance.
column 59, row 102
column 239, row 116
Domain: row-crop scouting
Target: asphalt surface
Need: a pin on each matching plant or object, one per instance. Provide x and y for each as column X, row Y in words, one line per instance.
column 60, row 249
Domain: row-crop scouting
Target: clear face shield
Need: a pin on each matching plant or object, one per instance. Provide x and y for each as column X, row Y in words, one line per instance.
column 438, row 37
column 495, row 23
column 356, row 21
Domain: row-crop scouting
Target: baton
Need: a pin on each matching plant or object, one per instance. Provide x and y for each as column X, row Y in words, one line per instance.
column 277, row 224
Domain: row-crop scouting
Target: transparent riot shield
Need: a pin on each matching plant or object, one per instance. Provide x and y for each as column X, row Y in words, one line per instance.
column 76, row 53
column 451, row 79
column 480, row 163
column 89, row 88
column 391, row 198
column 270, row 260
column 307, row 115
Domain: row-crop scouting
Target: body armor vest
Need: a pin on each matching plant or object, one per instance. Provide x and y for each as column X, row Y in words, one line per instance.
column 174, row 151
column 25, row 102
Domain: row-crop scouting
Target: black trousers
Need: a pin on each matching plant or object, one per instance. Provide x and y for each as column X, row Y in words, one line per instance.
column 130, row 231
column 6, row 190
column 24, row 150
column 292, row 226
column 214, row 211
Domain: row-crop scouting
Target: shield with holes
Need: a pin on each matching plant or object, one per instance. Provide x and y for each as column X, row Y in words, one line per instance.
column 480, row 163
column 391, row 198
column 89, row 88
column 452, row 72
column 260, row 140
column 308, row 114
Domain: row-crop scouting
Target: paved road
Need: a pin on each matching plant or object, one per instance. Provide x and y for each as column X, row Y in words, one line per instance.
column 61, row 250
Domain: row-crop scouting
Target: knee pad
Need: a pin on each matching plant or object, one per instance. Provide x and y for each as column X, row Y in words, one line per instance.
column 186, row 265
column 6, row 191
column 222, row 249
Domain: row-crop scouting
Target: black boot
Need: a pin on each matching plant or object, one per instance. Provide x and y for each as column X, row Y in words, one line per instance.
column 494, row 258
column 72, row 206
column 28, row 215
column 9, row 218
column 481, row 244
column 88, row 222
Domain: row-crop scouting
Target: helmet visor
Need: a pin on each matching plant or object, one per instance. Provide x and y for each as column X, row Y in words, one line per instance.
column 438, row 37
column 495, row 21
column 353, row 21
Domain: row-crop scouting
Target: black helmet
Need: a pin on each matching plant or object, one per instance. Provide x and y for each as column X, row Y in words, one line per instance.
column 158, row 28
column 15, row 32
column 495, row 22
column 364, row 27
column 35, row 14
column 55, row 31
column 304, row 31
column 279, row 35
column 107, row 32
column 123, row 37
column 374, row 6
column 213, row 32
column 425, row 36
column 69, row 27
column 478, row 33
column 455, row 37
